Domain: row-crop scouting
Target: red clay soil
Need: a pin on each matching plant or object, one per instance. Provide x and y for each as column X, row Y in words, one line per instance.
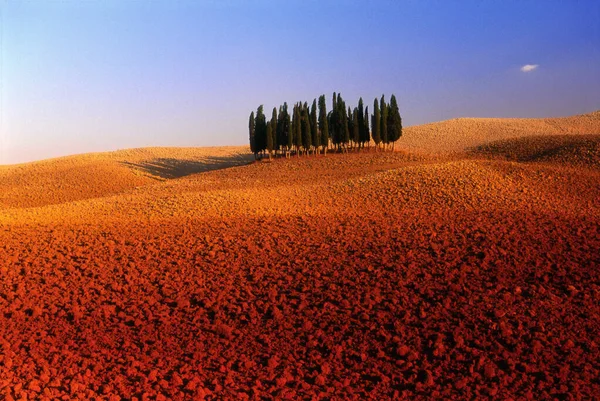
column 361, row 276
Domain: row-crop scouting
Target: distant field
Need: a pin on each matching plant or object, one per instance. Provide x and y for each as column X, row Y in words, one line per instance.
column 462, row 133
column 463, row 265
column 94, row 175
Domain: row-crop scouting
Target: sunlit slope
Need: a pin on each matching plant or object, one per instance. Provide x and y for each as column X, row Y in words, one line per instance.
column 323, row 186
column 226, row 274
column 462, row 133
column 95, row 175
column 99, row 175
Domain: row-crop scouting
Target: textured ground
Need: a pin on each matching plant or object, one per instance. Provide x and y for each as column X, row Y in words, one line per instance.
column 94, row 175
column 359, row 276
column 461, row 133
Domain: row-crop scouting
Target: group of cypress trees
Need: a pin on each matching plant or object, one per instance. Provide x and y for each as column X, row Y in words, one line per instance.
column 341, row 129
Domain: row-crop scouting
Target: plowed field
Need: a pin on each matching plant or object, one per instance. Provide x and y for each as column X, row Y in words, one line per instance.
column 373, row 275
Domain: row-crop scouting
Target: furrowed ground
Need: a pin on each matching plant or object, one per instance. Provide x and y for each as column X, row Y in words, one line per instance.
column 357, row 276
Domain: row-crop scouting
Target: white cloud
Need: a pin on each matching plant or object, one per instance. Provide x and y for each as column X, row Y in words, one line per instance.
column 529, row 67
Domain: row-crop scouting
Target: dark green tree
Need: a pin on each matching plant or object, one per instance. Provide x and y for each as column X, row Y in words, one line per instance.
column 252, row 139
column 306, row 133
column 335, row 125
column 350, row 126
column 346, row 127
column 366, row 132
column 283, row 127
column 355, row 127
column 323, row 123
column 270, row 138
column 260, row 130
column 298, row 128
column 314, row 127
column 290, row 132
column 394, row 122
column 344, row 130
column 361, row 122
column 330, row 125
column 275, row 142
column 376, row 124
column 384, row 122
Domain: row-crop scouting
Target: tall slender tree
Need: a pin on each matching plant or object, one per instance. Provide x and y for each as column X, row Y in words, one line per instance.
column 274, row 141
column 350, row 126
column 334, row 105
column 344, row 129
column 384, row 121
column 323, row 124
column 361, row 122
column 290, row 133
column 356, row 128
column 293, row 128
column 298, row 129
column 376, row 124
column 252, row 139
column 332, row 119
column 270, row 139
column 283, row 127
column 314, row 127
column 394, row 122
column 260, row 130
column 367, row 133
column 334, row 125
column 306, row 133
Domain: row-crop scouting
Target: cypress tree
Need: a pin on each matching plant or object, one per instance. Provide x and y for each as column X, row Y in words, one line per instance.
column 384, row 122
column 260, row 130
column 323, row 123
column 280, row 132
column 292, row 140
column 252, row 139
column 270, row 138
column 306, row 133
column 330, row 125
column 345, row 126
column 298, row 128
column 395, row 122
column 376, row 124
column 334, row 105
column 366, row 131
column 314, row 128
column 290, row 130
column 361, row 122
column 350, row 126
column 275, row 142
column 344, row 131
column 355, row 127
column 334, row 125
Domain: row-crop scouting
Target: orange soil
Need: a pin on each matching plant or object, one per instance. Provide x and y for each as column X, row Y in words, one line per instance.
column 359, row 276
column 94, row 175
column 461, row 133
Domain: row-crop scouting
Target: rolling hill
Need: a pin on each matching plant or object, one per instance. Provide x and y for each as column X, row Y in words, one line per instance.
column 158, row 274
column 462, row 133
column 93, row 175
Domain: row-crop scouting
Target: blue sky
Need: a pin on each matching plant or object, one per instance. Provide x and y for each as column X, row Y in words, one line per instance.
column 83, row 76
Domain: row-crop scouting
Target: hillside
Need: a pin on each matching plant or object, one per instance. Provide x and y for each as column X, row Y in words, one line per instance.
column 372, row 275
column 79, row 177
column 93, row 175
column 462, row 133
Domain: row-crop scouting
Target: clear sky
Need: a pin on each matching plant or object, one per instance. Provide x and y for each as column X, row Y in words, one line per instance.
column 80, row 76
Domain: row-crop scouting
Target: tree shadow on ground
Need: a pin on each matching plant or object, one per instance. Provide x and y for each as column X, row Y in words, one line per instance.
column 167, row 168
